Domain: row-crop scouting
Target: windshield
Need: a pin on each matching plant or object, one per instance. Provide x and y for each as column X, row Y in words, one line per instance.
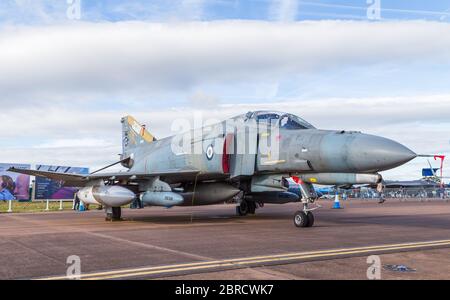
column 271, row 117
column 289, row 121
column 284, row 120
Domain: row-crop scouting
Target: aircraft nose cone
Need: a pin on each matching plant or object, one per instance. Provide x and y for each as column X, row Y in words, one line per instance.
column 373, row 153
column 364, row 153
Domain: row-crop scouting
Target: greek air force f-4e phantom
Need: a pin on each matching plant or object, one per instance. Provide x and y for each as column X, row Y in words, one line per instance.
column 246, row 159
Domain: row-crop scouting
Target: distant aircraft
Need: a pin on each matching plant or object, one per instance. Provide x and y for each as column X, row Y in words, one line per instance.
column 429, row 180
column 248, row 158
column 420, row 183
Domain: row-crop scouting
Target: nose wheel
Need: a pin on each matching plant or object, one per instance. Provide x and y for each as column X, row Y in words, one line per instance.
column 303, row 219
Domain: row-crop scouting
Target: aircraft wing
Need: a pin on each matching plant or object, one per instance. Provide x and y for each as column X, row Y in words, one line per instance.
column 77, row 180
column 169, row 175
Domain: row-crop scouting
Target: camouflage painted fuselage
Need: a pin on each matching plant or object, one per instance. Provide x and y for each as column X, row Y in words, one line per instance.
column 245, row 146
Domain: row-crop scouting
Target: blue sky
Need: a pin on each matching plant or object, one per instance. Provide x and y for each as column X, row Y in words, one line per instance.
column 324, row 60
column 33, row 11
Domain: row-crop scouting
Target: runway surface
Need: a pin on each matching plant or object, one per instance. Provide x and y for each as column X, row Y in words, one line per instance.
column 212, row 243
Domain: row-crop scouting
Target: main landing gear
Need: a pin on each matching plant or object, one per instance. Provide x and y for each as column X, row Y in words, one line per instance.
column 245, row 208
column 113, row 214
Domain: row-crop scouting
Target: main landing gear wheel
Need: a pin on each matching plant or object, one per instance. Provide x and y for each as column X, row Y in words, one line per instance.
column 302, row 219
column 242, row 209
column 251, row 207
column 115, row 214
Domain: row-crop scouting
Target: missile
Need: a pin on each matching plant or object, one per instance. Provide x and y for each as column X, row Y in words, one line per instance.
column 112, row 196
column 340, row 178
column 166, row 199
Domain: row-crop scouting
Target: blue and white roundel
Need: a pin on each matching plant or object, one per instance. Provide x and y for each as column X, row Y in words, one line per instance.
column 210, row 152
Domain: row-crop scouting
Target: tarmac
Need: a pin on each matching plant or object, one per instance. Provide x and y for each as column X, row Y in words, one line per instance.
column 211, row 242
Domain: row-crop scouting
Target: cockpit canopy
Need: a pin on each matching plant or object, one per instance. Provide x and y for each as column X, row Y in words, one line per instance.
column 282, row 119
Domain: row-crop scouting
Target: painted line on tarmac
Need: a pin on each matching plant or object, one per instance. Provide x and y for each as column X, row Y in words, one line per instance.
column 250, row 261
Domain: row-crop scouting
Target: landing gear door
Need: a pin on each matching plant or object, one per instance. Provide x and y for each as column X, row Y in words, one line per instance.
column 245, row 148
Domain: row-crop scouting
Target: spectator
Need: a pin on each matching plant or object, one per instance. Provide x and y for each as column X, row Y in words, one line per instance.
column 76, row 205
column 137, row 203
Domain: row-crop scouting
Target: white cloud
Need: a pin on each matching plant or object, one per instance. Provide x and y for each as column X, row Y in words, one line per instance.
column 376, row 115
column 93, row 157
column 110, row 60
column 73, row 143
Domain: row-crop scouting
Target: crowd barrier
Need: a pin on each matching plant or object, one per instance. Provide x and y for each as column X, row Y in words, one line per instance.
column 35, row 206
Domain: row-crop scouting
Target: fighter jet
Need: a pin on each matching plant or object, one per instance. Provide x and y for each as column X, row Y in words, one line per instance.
column 429, row 179
column 419, row 183
column 246, row 159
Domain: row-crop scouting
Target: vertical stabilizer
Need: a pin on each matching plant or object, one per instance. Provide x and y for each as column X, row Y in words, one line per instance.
column 133, row 136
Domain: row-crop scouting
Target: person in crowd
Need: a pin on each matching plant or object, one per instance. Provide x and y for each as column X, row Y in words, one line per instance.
column 76, row 205
column 137, row 203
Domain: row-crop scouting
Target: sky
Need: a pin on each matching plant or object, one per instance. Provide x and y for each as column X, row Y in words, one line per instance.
column 70, row 69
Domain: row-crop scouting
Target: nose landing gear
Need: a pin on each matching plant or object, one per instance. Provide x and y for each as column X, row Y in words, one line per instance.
column 303, row 219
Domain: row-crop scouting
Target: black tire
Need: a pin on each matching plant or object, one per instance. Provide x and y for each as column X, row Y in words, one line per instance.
column 116, row 213
column 242, row 209
column 300, row 219
column 310, row 218
column 251, row 207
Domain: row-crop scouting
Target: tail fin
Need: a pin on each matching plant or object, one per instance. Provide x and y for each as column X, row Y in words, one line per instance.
column 133, row 135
